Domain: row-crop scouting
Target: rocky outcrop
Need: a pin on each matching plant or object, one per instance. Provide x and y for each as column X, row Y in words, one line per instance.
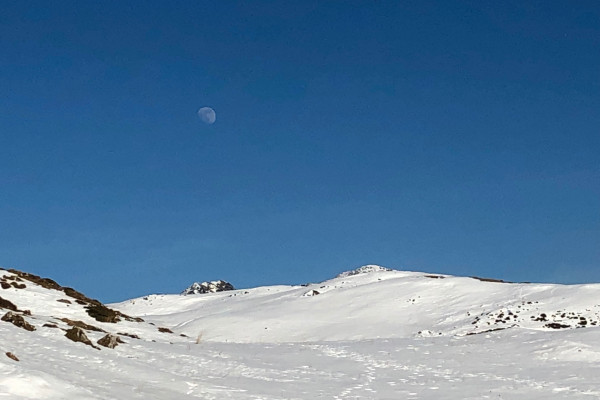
column 208, row 287
column 110, row 341
column 365, row 269
column 18, row 320
column 7, row 304
column 77, row 334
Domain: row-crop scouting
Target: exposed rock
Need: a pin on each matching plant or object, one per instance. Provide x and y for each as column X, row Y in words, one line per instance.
column 110, row 341
column 18, row 320
column 208, row 287
column 78, row 295
column 5, row 285
column 489, row 280
column 11, row 355
column 165, row 330
column 365, row 269
column 102, row 313
column 77, row 334
column 434, row 276
column 49, row 326
column 312, row 293
column 131, row 335
column 486, row 331
column 97, row 309
column 556, row 325
column 64, row 301
column 7, row 304
column 82, row 325
column 18, row 285
column 43, row 282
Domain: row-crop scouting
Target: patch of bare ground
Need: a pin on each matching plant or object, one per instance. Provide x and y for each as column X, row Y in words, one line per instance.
column 165, row 330
column 11, row 356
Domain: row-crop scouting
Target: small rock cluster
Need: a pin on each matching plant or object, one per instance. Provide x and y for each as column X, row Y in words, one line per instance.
column 18, row 320
column 208, row 287
column 532, row 314
column 11, row 281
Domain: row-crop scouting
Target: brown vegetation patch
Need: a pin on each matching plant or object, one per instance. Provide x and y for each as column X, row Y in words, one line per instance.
column 81, row 324
column 11, row 356
column 18, row 320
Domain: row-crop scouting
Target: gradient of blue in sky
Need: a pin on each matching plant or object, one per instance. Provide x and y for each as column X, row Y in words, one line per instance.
column 459, row 137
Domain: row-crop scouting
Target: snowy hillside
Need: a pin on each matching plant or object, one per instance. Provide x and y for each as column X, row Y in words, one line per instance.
column 372, row 303
column 370, row 333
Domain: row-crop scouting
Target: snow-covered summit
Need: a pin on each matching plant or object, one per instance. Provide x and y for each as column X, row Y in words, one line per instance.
column 365, row 269
column 208, row 287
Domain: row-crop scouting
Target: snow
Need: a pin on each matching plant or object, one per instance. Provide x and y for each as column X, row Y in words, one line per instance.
column 378, row 334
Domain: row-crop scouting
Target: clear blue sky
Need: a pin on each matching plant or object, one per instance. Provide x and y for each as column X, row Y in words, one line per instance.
column 460, row 137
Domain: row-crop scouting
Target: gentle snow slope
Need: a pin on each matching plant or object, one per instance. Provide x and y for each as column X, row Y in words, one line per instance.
column 377, row 304
column 375, row 335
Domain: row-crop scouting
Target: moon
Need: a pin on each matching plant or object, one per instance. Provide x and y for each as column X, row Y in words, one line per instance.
column 207, row 115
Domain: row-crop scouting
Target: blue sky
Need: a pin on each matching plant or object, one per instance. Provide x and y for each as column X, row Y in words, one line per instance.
column 443, row 136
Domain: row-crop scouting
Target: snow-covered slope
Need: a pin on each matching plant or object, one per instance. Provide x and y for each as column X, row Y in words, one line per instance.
column 370, row 333
column 372, row 303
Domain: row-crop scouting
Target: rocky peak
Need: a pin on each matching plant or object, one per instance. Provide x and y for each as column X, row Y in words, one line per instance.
column 208, row 287
column 365, row 269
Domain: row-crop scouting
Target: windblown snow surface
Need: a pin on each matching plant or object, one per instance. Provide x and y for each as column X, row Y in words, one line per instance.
column 370, row 334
